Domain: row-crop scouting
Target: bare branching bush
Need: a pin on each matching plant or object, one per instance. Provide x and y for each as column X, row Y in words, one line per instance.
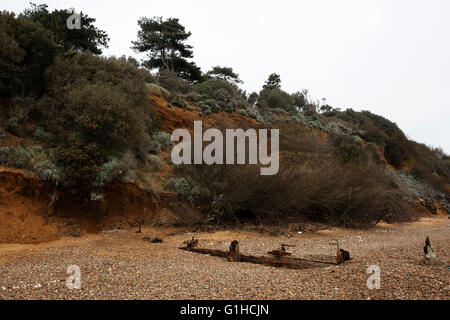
column 346, row 195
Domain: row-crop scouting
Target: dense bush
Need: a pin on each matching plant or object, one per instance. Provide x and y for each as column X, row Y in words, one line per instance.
column 243, row 112
column 177, row 101
column 94, row 109
column 15, row 157
column 154, row 89
column 349, row 148
column 347, row 195
column 430, row 166
column 154, row 147
column 13, row 126
column 275, row 99
column 387, row 126
column 186, row 188
column 46, row 170
column 83, row 69
column 41, row 134
column 374, row 128
column 219, row 93
column 34, row 159
column 398, row 150
column 296, row 139
column 30, row 41
column 373, row 133
column 94, row 118
column 80, row 165
column 27, row 49
column 216, row 89
column 254, row 114
column 98, row 113
column 154, row 162
column 163, row 139
column 209, row 106
column 171, row 82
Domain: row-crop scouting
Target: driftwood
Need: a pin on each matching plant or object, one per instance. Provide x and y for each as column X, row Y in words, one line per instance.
column 152, row 240
column 191, row 243
column 233, row 254
column 282, row 252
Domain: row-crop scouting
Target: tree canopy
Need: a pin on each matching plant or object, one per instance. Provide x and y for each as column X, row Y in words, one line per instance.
column 164, row 43
column 274, row 81
column 27, row 50
column 225, row 73
column 31, row 40
column 88, row 37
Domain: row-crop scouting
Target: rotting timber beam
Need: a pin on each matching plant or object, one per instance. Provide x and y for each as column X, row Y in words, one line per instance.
column 233, row 254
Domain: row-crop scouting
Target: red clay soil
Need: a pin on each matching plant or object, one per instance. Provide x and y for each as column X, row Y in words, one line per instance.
column 173, row 118
column 33, row 212
column 24, row 209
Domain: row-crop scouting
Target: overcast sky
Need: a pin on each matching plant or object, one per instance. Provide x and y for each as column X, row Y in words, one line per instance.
column 390, row 57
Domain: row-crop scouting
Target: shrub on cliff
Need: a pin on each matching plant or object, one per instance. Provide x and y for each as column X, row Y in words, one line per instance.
column 275, row 98
column 168, row 80
column 347, row 195
column 94, row 109
column 222, row 93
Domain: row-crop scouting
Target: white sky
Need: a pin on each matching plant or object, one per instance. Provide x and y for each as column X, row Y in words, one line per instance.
column 390, row 57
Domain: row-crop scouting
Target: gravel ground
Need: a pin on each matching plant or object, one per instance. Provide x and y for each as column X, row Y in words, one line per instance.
column 120, row 265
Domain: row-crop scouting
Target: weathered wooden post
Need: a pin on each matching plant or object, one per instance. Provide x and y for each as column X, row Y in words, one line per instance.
column 191, row 243
column 234, row 255
column 430, row 256
column 341, row 255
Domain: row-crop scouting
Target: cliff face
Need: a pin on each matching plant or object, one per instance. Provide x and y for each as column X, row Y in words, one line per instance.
column 32, row 211
column 24, row 208
column 173, row 117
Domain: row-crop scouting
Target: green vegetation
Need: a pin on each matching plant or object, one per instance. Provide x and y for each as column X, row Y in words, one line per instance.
column 90, row 113
column 87, row 38
column 273, row 82
column 164, row 40
column 94, row 109
column 224, row 73
column 31, row 40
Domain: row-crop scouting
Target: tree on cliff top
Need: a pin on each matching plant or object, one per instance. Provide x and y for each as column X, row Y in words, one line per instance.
column 164, row 41
column 88, row 37
column 225, row 73
column 273, row 82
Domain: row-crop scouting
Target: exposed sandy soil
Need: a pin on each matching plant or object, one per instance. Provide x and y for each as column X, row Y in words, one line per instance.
column 34, row 212
column 174, row 118
column 24, row 209
column 120, row 265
